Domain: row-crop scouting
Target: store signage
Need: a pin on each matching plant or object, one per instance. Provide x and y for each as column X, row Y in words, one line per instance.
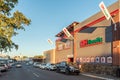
column 103, row 60
column 66, row 32
column 92, row 59
column 104, row 10
column 85, row 43
column 97, row 59
column 109, row 59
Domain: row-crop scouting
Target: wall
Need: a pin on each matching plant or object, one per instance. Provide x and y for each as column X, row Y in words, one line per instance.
column 64, row 53
column 104, row 29
column 49, row 56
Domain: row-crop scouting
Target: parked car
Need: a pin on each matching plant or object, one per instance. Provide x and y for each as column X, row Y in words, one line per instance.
column 43, row 66
column 18, row 65
column 5, row 62
column 3, row 67
column 51, row 66
column 67, row 68
column 36, row 64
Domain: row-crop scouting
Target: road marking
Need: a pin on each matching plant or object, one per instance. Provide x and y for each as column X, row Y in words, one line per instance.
column 36, row 75
column 97, row 77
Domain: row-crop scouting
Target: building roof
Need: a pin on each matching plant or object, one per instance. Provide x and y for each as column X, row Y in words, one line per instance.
column 70, row 28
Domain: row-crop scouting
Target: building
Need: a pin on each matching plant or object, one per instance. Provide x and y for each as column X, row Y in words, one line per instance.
column 65, row 46
column 49, row 56
column 96, row 40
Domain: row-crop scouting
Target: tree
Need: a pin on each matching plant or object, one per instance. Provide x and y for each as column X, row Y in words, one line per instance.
column 38, row 57
column 10, row 24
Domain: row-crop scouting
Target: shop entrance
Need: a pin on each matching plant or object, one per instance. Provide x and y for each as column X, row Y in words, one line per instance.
column 70, row 60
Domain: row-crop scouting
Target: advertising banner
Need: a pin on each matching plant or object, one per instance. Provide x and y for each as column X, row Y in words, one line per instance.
column 104, row 10
column 97, row 59
column 103, row 60
column 109, row 59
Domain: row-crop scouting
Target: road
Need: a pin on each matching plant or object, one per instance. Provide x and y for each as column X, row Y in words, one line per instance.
column 31, row 73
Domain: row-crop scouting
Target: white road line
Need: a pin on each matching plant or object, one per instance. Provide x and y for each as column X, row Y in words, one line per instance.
column 97, row 77
column 36, row 75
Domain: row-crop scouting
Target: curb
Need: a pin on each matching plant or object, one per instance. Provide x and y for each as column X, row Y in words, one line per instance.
column 93, row 76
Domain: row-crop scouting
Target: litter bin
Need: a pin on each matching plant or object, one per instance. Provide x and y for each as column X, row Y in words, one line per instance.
column 118, row 72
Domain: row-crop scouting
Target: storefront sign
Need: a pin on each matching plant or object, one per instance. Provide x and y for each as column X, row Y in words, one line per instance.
column 88, row 59
column 89, row 42
column 97, row 59
column 103, row 60
column 84, row 59
column 92, row 60
column 109, row 59
column 104, row 10
column 70, row 56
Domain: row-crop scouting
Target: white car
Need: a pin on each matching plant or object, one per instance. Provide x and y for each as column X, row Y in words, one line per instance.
column 42, row 66
column 18, row 65
column 51, row 66
column 36, row 64
column 3, row 67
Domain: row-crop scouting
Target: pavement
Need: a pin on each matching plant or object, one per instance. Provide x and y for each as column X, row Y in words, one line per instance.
column 101, row 76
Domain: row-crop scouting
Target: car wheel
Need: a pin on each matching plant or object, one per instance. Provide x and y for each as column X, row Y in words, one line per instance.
column 67, row 72
column 57, row 70
column 77, row 73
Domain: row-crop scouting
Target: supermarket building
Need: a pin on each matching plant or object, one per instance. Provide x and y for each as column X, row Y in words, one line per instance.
column 96, row 40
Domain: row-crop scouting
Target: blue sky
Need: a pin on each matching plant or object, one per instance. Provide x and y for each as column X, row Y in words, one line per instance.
column 48, row 18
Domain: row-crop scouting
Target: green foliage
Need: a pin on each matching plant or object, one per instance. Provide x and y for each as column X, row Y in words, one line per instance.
column 25, row 57
column 10, row 24
column 39, row 57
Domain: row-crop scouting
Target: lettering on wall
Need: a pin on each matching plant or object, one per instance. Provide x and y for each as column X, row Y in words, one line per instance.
column 88, row 42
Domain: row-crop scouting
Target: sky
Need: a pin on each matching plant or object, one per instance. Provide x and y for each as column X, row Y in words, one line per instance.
column 48, row 18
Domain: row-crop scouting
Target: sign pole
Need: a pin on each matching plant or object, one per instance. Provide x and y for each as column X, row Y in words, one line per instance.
column 115, row 27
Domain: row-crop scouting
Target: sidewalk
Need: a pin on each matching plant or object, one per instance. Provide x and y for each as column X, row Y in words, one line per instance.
column 100, row 76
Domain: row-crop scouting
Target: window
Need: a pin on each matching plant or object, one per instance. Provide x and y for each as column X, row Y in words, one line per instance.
column 60, row 47
column 67, row 45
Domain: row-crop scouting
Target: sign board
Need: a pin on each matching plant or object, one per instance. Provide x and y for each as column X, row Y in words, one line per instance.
column 97, row 59
column 103, row 60
column 92, row 59
column 89, row 42
column 70, row 55
column 50, row 41
column 84, row 59
column 104, row 10
column 66, row 32
column 88, row 59
column 109, row 59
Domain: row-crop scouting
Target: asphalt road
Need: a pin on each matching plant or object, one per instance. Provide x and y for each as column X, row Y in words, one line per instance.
column 31, row 73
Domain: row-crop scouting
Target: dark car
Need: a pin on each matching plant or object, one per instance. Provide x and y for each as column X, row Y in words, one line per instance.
column 67, row 68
